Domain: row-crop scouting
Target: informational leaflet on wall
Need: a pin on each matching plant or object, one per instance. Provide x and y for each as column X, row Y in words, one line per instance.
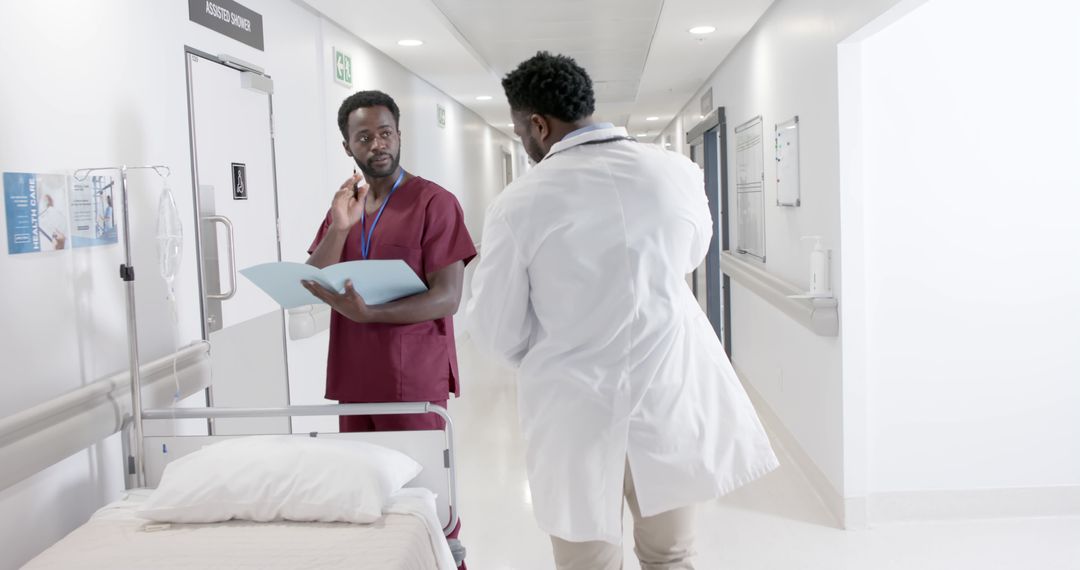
column 750, row 189
column 93, row 217
column 47, row 212
column 35, row 206
column 787, row 163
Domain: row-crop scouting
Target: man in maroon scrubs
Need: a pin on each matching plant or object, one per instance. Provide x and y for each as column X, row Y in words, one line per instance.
column 401, row 351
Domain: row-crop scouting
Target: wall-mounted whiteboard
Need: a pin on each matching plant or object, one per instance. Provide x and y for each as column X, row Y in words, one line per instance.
column 787, row 163
column 750, row 189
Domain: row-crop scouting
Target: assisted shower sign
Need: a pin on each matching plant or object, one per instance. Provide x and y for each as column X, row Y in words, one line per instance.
column 228, row 18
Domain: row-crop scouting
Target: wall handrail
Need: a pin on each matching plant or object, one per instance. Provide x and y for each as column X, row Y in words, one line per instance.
column 820, row 315
column 40, row 436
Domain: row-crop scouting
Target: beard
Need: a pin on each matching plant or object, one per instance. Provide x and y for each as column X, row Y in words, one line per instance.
column 370, row 171
column 532, row 148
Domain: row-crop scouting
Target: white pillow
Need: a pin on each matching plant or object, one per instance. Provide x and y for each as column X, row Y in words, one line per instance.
column 268, row 478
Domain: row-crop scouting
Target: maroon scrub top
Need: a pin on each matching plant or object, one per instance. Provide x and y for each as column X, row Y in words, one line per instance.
column 423, row 225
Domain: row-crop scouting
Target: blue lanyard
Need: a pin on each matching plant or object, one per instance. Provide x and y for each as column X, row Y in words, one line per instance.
column 365, row 244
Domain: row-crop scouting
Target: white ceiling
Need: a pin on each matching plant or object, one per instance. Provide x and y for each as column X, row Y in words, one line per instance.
column 639, row 53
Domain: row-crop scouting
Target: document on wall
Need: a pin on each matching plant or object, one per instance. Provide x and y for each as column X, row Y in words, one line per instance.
column 93, row 217
column 750, row 189
column 36, row 212
column 378, row 281
column 787, row 163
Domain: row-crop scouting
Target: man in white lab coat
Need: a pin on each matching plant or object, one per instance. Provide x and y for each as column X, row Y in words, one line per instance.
column 624, row 389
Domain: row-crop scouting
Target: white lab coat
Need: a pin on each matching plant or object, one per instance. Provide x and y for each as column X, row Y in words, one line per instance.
column 581, row 284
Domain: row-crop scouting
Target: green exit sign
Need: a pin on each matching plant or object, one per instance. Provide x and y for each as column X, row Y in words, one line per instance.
column 342, row 68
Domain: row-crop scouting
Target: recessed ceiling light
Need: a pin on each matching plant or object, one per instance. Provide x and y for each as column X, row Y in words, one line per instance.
column 643, row 134
column 484, row 98
column 652, row 118
column 700, row 30
column 410, row 43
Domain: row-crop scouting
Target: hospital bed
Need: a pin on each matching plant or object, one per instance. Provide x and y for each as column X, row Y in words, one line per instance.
column 409, row 535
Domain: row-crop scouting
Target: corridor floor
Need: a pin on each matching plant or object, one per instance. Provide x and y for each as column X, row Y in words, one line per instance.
column 776, row 523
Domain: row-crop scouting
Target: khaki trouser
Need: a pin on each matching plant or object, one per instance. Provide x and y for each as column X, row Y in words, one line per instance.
column 661, row 542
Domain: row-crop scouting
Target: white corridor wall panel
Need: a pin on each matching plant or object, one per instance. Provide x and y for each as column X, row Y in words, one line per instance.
column 971, row 245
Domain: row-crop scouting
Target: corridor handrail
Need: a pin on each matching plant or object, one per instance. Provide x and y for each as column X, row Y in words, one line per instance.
column 819, row 315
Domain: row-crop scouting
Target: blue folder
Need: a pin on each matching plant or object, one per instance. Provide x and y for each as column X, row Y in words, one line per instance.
column 378, row 281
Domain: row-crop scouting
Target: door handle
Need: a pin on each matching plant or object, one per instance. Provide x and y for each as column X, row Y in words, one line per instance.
column 229, row 233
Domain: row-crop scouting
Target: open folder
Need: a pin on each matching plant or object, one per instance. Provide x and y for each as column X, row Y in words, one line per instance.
column 378, row 281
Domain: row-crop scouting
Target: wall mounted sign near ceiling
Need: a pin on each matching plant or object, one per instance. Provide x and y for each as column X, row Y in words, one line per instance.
column 230, row 19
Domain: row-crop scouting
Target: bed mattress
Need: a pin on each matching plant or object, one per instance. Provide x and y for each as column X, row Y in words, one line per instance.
column 403, row 539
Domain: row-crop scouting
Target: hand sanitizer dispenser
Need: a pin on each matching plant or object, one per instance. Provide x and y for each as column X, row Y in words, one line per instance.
column 819, row 269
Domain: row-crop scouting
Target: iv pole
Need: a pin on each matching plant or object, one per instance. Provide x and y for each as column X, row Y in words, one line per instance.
column 135, row 461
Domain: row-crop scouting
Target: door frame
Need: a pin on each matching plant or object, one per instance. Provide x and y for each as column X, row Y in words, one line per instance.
column 711, row 135
column 238, row 65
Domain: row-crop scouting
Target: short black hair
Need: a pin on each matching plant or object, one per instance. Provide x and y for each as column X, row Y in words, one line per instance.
column 362, row 99
column 552, row 85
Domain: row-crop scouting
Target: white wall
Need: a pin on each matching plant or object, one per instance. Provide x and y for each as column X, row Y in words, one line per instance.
column 965, row 200
column 787, row 66
column 103, row 83
column 673, row 137
column 77, row 95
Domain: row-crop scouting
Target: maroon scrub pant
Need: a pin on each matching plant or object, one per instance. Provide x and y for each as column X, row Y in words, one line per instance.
column 398, row 422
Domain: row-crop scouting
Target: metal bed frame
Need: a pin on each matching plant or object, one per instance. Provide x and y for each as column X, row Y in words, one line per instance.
column 449, row 461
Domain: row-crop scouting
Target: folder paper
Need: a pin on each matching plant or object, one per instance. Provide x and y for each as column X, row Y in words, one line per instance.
column 378, row 281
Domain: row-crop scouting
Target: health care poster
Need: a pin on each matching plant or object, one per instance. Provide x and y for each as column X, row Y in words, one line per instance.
column 49, row 212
